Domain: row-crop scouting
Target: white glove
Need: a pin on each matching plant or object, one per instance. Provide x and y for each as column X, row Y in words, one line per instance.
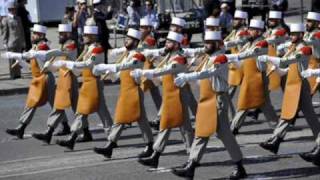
column 310, row 72
column 137, row 73
column 149, row 74
column 233, row 58
column 181, row 80
column 110, row 67
column 68, row 64
column 263, row 58
column 99, row 69
column 27, row 55
column 12, row 55
column 318, row 80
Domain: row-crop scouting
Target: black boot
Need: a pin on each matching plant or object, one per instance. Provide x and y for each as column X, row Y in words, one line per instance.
column 86, row 136
column 68, row 143
column 65, row 130
column 19, row 131
column 235, row 131
column 106, row 151
column 151, row 161
column 272, row 145
column 239, row 172
column 45, row 137
column 308, row 156
column 155, row 124
column 254, row 114
column 187, row 170
column 147, row 152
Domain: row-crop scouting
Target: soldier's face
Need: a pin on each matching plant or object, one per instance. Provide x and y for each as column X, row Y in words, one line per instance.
column 211, row 46
column 311, row 25
column 176, row 28
column 145, row 30
column 296, row 37
column 89, row 39
column 63, row 37
column 171, row 45
column 237, row 22
column 36, row 37
column 254, row 33
column 130, row 43
column 273, row 22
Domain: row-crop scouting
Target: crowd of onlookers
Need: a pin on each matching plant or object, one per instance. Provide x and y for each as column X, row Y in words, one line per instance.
column 15, row 27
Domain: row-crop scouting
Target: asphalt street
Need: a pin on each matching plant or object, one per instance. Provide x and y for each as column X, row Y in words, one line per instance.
column 31, row 159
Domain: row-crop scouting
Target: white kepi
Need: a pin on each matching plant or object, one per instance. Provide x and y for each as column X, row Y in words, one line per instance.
column 255, row 23
column 145, row 22
column 297, row 27
column 90, row 30
column 177, row 37
column 39, row 29
column 134, row 33
column 275, row 15
column 212, row 21
column 313, row 16
column 212, row 36
column 240, row 14
column 65, row 28
column 178, row 21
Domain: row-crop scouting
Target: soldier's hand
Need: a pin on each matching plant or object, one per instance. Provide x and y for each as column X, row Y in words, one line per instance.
column 181, row 80
column 307, row 73
column 137, row 73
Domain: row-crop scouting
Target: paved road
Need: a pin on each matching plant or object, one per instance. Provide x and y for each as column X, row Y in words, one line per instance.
column 30, row 159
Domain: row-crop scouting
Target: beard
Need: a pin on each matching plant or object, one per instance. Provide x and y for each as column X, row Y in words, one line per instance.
column 310, row 28
column 210, row 50
column 35, row 41
column 130, row 46
column 62, row 40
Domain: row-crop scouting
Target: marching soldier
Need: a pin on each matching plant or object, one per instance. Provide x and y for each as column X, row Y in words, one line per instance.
column 174, row 111
column 239, row 26
column 177, row 25
column 130, row 105
column 149, row 42
column 234, row 41
column 212, row 114
column 276, row 34
column 253, row 90
column 297, row 91
column 67, row 88
column 41, row 89
column 212, row 24
column 91, row 97
column 312, row 27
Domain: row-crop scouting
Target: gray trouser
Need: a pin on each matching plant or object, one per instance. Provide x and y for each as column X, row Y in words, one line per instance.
column 58, row 115
column 28, row 112
column 266, row 108
column 223, row 133
column 143, row 124
column 185, row 129
column 14, row 71
column 156, row 97
column 81, row 120
column 305, row 105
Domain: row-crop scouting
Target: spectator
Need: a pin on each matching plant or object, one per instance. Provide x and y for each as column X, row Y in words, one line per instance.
column 68, row 18
column 134, row 14
column 225, row 19
column 103, row 30
column 212, row 8
column 151, row 14
column 24, row 15
column 80, row 19
column 279, row 5
column 13, row 37
column 231, row 4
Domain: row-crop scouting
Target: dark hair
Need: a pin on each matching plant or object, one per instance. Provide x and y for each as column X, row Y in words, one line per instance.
column 69, row 9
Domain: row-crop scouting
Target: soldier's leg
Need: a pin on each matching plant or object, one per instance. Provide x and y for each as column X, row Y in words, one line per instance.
column 231, row 107
column 191, row 100
column 223, row 130
column 161, row 141
column 308, row 111
column 27, row 115
column 269, row 113
column 198, row 149
column 115, row 132
column 238, row 121
column 156, row 96
column 74, row 93
column 79, row 123
column 103, row 111
column 55, row 117
column 143, row 122
column 232, row 91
